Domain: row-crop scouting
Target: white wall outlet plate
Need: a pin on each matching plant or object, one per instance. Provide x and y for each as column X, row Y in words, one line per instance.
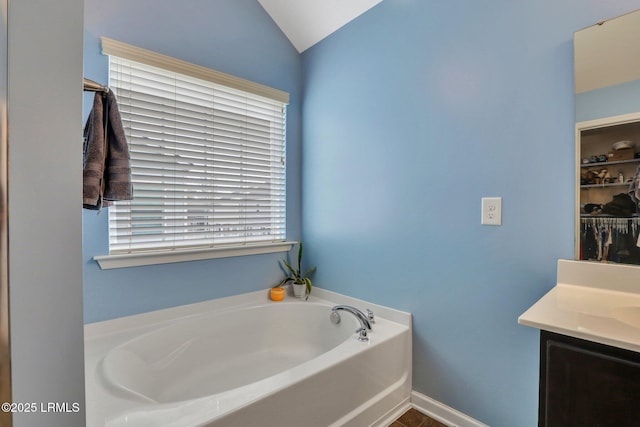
column 491, row 211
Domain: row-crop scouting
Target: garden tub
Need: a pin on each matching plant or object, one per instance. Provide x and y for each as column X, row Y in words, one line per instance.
column 246, row 360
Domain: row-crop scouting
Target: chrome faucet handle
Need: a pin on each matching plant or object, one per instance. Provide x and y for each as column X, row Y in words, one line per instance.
column 370, row 316
column 362, row 318
column 362, row 334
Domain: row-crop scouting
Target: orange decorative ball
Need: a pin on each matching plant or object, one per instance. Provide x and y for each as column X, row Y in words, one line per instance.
column 276, row 294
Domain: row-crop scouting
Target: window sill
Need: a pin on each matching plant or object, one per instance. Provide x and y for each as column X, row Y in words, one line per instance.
column 107, row 262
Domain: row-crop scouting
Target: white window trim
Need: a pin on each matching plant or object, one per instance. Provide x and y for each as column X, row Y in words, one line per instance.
column 107, row 262
column 138, row 54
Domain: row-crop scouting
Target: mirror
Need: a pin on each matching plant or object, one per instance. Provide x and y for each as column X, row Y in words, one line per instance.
column 607, row 89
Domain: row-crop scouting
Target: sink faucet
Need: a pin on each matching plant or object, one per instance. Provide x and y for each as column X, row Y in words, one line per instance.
column 364, row 319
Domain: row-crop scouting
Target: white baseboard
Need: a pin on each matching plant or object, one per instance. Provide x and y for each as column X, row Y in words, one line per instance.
column 441, row 412
column 393, row 414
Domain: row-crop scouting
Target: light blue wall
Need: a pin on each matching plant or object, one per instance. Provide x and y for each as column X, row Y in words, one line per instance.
column 609, row 101
column 412, row 113
column 232, row 36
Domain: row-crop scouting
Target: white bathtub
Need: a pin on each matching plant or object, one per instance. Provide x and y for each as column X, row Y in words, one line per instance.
column 245, row 360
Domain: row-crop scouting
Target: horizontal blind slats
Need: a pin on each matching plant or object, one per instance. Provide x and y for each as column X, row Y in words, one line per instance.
column 207, row 163
column 228, row 110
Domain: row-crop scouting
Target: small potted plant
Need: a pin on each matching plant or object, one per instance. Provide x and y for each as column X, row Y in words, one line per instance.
column 300, row 283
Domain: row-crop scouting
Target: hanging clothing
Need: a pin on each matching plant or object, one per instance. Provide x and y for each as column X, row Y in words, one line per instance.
column 106, row 170
column 610, row 239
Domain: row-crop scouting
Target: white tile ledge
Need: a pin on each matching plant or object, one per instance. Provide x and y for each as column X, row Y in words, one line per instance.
column 107, row 262
column 598, row 275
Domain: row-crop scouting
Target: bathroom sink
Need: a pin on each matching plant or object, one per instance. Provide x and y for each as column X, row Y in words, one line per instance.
column 629, row 315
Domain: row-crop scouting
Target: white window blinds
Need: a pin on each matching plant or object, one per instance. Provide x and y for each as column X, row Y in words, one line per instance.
column 207, row 161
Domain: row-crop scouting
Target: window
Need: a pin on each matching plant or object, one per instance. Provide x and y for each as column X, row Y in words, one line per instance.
column 207, row 159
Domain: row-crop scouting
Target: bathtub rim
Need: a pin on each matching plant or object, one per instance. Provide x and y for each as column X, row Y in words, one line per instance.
column 152, row 319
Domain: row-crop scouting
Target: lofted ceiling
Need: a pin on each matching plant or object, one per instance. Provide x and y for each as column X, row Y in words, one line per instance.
column 306, row 22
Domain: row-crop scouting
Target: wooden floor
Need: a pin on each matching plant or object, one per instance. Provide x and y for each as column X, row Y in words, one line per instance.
column 414, row 418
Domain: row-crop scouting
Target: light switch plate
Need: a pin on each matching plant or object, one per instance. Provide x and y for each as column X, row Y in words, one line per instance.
column 491, row 211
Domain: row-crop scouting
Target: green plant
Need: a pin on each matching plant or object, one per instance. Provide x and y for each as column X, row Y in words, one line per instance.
column 295, row 274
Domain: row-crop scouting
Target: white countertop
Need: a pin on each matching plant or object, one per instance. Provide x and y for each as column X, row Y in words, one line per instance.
column 593, row 301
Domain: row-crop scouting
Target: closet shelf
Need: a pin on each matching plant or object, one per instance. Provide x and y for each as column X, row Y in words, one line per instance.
column 615, row 162
column 604, row 216
column 614, row 184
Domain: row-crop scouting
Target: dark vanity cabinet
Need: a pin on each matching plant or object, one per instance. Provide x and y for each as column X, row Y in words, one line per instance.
column 586, row 384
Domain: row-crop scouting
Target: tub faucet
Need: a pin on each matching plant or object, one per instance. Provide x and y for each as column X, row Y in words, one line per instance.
column 365, row 324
